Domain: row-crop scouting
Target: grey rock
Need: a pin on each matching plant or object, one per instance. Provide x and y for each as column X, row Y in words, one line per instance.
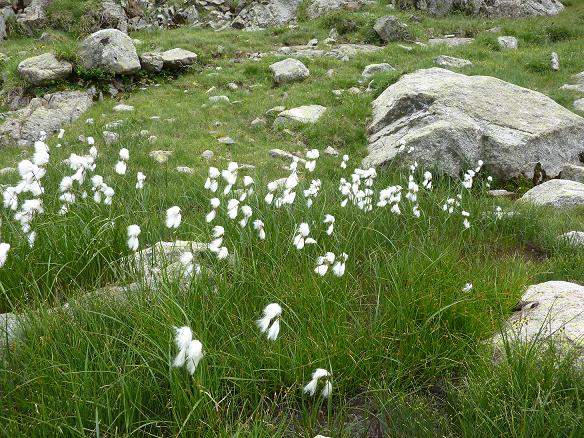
column 258, row 121
column 548, row 312
column 374, row 69
column 122, row 108
column 331, row 151
column 219, row 99
column 276, row 109
column 301, row 114
column 116, row 124
column 6, row 14
column 207, row 154
column 289, row 70
column 226, row 140
column 351, row 50
column 256, row 15
column 279, row 153
column 321, row 7
column 185, row 169
column 501, row 193
column 491, row 8
column 109, row 15
column 178, row 58
column 390, row 28
column 556, row 193
column 110, row 50
column 151, row 62
column 453, row 120
column 574, row 238
column 449, row 61
column 42, row 69
column 555, row 61
column 48, row 113
column 110, row 137
column 452, row 42
column 507, row 42
column 573, row 173
column 579, row 105
column 34, row 15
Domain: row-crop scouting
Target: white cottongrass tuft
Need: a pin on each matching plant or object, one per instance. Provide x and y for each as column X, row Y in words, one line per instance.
column 173, row 217
column 339, row 266
column 302, row 236
column 330, row 220
column 467, row 287
column 190, row 350
column 311, row 387
column 133, row 233
column 344, row 162
column 140, row 178
column 187, row 261
column 272, row 312
column 215, row 203
column 4, row 248
column 259, row 226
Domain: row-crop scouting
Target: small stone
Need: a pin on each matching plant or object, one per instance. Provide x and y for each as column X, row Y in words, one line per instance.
column 110, row 137
column 579, row 104
column 232, row 86
column 218, row 99
column 497, row 29
column 289, row 70
column 312, row 43
column 123, row 108
column 374, row 69
column 338, row 92
column 574, row 238
column 152, row 139
column 43, row 69
column 302, row 114
column 279, row 153
column 330, row 72
column 354, row 90
column 113, row 125
column 500, row 193
column 226, row 140
column 155, row 118
column 90, row 121
column 331, row 151
column 449, row 61
column 452, row 42
column 207, row 154
column 507, row 42
column 555, row 61
column 258, row 121
column 185, row 169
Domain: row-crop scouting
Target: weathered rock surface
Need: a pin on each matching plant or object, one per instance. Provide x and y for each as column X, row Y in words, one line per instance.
column 151, row 62
column 6, row 13
column 453, row 120
column 49, row 113
column 507, row 42
column 178, row 58
column 573, row 173
column 490, row 8
column 289, row 70
column 374, row 69
column 42, row 69
column 574, row 238
column 321, row 7
column 110, row 50
column 109, row 15
column 390, row 28
column 557, row 193
column 284, row 155
column 302, row 114
column 548, row 312
column 34, row 15
column 452, row 42
column 267, row 14
column 449, row 61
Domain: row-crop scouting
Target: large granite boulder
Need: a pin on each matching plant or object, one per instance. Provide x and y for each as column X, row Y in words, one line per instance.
column 109, row 50
column 548, row 312
column 178, row 58
column 321, row 7
column 259, row 15
column 289, row 70
column 34, row 16
column 489, row 8
column 557, row 193
column 43, row 69
column 390, row 28
column 48, row 113
column 452, row 121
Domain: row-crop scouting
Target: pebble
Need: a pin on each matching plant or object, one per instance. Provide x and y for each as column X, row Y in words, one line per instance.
column 226, row 140
column 123, row 108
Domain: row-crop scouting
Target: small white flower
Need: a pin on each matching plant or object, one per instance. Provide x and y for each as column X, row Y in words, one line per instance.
column 4, row 248
column 124, row 154
column 467, row 287
column 301, row 237
column 140, row 178
column 259, row 226
column 173, row 217
column 272, row 312
column 121, row 167
column 339, row 267
column 190, row 350
column 133, row 233
column 329, row 219
column 186, row 259
column 311, row 387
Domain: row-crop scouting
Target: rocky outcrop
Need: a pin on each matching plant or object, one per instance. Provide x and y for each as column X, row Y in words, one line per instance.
column 452, row 120
column 321, row 7
column 556, row 193
column 375, row 69
column 268, row 13
column 489, row 8
column 109, row 50
column 390, row 28
column 33, row 17
column 48, row 113
column 110, row 15
column 548, row 312
column 42, row 69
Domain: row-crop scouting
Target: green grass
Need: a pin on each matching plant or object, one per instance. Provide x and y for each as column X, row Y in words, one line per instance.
column 407, row 348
